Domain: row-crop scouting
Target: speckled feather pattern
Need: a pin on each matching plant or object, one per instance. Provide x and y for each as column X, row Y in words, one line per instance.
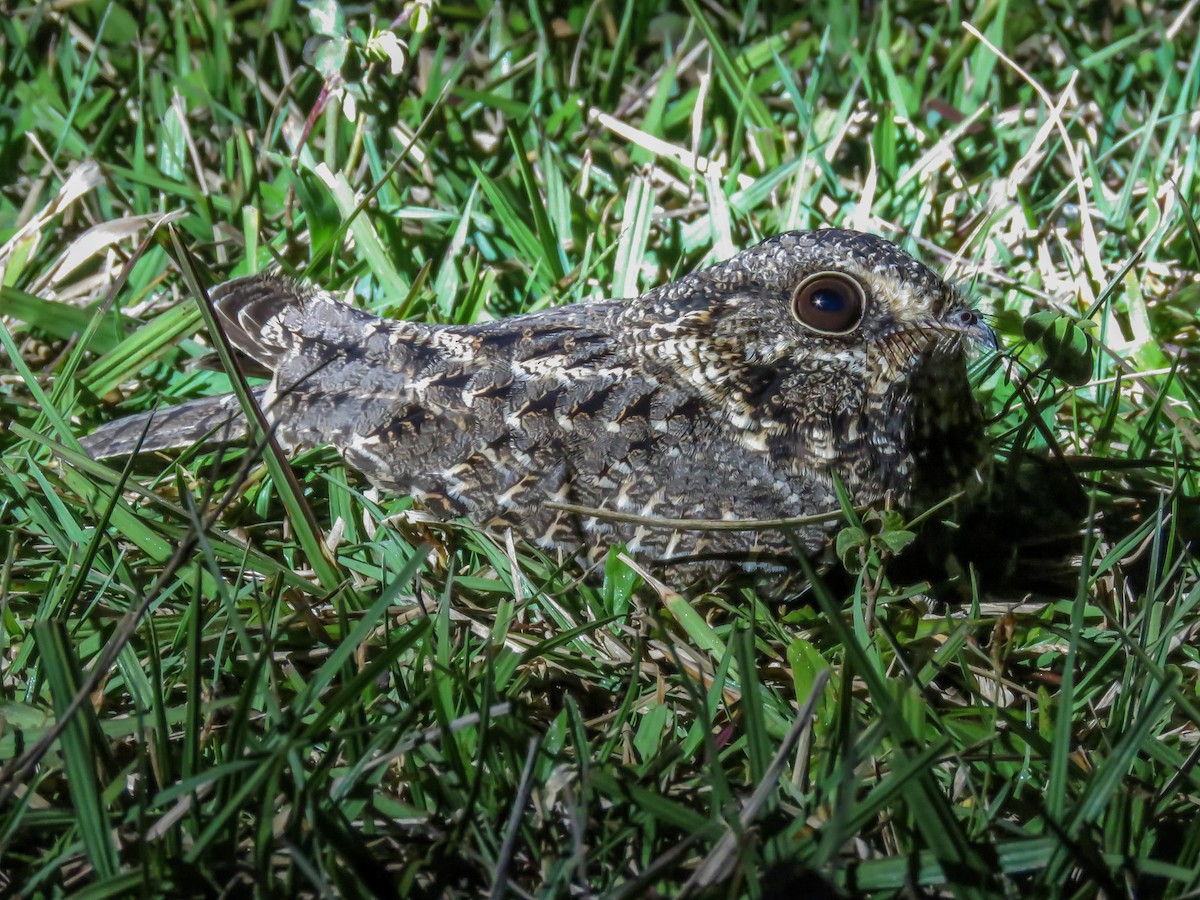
column 704, row 398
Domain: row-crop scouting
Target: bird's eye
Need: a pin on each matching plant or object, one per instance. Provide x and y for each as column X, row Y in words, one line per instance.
column 829, row 303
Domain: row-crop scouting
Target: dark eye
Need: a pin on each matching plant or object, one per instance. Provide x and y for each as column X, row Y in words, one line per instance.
column 829, row 303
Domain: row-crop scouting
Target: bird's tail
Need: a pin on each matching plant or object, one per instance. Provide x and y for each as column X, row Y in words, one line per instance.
column 217, row 420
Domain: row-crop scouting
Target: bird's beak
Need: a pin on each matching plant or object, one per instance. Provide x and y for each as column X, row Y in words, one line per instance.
column 970, row 324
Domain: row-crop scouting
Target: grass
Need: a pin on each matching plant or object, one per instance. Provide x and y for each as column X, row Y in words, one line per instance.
column 235, row 675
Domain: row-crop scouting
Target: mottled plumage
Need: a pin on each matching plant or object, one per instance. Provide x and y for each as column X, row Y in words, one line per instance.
column 737, row 392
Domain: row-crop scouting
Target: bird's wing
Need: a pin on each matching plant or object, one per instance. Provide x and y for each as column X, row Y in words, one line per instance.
column 470, row 419
column 486, row 420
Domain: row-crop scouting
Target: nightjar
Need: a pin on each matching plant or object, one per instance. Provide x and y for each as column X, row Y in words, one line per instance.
column 738, row 392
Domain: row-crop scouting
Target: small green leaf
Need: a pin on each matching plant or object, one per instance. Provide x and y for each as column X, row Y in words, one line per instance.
column 1070, row 351
column 806, row 662
column 172, row 145
column 849, row 545
column 326, row 55
column 648, row 740
column 326, row 17
column 897, row 540
column 620, row 581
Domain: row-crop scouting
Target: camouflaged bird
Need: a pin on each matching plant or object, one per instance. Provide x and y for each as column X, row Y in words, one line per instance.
column 737, row 392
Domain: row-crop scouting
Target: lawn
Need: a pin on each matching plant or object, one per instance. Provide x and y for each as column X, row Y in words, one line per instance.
column 225, row 673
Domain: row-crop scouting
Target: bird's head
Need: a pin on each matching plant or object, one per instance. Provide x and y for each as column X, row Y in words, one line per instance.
column 810, row 329
column 829, row 301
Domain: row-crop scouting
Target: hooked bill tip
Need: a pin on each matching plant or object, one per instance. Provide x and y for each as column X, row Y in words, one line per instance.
column 971, row 323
